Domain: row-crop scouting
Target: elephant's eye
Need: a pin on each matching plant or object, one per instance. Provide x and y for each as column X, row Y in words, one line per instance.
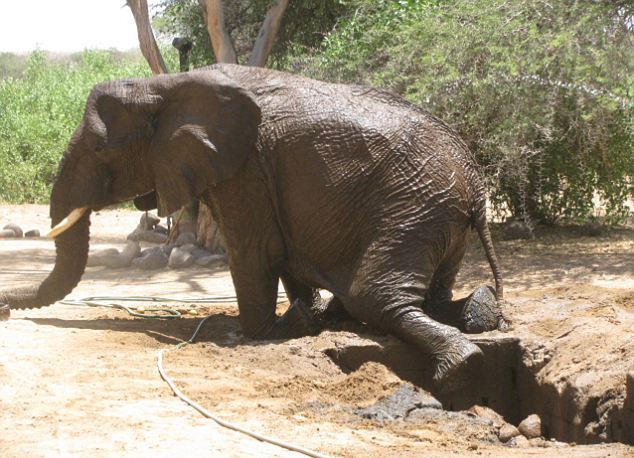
column 100, row 150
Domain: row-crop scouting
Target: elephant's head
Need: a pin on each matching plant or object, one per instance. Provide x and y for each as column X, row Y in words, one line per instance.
column 167, row 138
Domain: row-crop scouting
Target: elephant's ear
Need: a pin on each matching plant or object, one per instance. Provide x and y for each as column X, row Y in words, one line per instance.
column 203, row 133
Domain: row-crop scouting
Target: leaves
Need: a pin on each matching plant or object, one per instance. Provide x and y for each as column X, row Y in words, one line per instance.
column 40, row 110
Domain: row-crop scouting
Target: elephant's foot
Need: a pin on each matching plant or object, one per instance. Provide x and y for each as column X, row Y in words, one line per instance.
column 481, row 312
column 330, row 311
column 298, row 321
column 456, row 364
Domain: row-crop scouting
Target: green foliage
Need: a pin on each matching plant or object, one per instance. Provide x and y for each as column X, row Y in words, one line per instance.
column 40, row 110
column 542, row 91
column 11, row 65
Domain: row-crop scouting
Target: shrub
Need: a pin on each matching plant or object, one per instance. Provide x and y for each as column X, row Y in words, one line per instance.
column 40, row 110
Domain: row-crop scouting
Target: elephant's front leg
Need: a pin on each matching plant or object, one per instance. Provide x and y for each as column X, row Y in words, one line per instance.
column 257, row 299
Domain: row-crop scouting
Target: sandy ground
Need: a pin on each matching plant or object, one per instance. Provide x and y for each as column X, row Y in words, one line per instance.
column 77, row 381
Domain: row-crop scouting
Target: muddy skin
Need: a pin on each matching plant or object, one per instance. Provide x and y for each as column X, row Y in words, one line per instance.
column 476, row 313
column 344, row 188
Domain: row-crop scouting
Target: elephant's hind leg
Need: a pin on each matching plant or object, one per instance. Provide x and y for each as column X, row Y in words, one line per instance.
column 452, row 351
column 399, row 312
column 479, row 312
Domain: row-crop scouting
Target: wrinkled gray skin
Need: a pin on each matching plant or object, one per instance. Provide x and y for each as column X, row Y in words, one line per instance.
column 344, row 188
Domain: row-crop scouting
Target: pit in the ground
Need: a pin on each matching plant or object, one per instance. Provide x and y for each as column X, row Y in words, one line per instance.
column 506, row 385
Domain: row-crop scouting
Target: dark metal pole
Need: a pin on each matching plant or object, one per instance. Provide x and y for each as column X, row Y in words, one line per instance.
column 184, row 46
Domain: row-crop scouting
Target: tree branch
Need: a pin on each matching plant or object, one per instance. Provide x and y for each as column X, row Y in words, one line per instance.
column 266, row 35
column 147, row 41
column 220, row 38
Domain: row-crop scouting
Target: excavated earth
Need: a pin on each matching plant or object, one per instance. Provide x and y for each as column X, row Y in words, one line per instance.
column 77, row 380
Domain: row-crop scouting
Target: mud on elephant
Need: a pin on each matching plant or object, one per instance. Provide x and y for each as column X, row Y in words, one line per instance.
column 344, row 188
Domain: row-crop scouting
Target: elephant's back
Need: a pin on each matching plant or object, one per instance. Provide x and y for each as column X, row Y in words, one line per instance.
column 295, row 102
column 352, row 163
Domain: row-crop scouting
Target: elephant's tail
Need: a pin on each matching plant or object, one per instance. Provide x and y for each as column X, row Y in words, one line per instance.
column 482, row 227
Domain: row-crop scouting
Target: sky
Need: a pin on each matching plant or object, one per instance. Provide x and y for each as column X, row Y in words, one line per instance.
column 66, row 25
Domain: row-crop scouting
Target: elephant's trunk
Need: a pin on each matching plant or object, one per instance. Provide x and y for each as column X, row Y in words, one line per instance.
column 71, row 247
column 72, row 254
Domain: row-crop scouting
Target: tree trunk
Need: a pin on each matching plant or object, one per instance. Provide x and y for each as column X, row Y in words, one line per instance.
column 266, row 36
column 208, row 233
column 220, row 40
column 149, row 48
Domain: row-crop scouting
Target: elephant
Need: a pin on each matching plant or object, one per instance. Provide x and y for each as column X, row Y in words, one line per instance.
column 345, row 188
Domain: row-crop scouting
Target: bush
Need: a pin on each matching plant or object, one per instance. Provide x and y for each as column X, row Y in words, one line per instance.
column 541, row 91
column 40, row 110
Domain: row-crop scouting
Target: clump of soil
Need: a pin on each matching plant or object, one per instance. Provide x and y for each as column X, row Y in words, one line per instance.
column 363, row 387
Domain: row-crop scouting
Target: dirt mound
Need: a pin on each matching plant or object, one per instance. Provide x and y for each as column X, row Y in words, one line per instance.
column 363, row 387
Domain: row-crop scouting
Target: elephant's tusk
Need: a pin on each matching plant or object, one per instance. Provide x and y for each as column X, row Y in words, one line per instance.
column 67, row 222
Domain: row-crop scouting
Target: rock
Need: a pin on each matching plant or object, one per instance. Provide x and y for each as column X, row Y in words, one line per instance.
column 487, row 413
column 536, row 354
column 112, row 259
column 517, row 229
column 184, row 238
column 98, row 258
column 507, row 432
column 400, row 404
column 148, row 250
column 198, row 252
column 538, row 442
column 7, row 234
column 32, row 233
column 531, row 426
column 152, row 260
column 123, row 259
column 211, row 260
column 142, row 235
column 16, row 229
column 167, row 249
column 519, row 442
column 135, row 234
column 148, row 221
column 188, row 247
column 155, row 237
column 180, row 259
column 131, row 250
